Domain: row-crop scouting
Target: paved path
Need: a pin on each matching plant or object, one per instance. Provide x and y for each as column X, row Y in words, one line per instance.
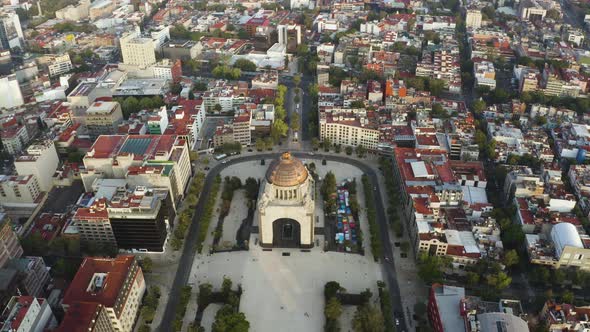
column 189, row 252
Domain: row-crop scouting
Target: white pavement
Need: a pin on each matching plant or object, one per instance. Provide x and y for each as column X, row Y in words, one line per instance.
column 209, row 316
column 237, row 212
column 286, row 292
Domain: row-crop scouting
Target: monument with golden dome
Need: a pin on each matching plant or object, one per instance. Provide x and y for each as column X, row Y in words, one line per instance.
column 286, row 205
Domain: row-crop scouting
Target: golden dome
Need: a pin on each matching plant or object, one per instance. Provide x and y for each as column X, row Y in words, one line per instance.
column 286, row 172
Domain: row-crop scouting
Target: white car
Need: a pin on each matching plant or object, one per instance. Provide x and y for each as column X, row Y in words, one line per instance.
column 224, row 162
column 397, row 322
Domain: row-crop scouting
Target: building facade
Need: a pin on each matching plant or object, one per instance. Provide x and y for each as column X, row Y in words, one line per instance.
column 40, row 160
column 115, row 284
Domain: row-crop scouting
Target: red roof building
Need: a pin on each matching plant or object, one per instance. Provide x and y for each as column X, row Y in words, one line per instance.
column 115, row 284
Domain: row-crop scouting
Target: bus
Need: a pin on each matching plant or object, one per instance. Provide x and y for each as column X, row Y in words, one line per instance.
column 220, row 156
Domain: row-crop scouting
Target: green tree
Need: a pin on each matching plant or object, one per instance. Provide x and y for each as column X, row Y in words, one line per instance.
column 295, row 119
column 331, row 289
column 204, row 297
column 567, row 297
column 130, row 105
column 430, row 268
column 333, row 309
column 499, row 281
column 144, row 328
column 472, row 278
column 227, row 320
column 279, row 129
column 510, row 258
column 259, row 144
column 245, row 65
column 367, row 318
column 479, row 106
column 436, row 87
column 148, row 313
column 146, row 104
column 315, row 143
column 217, row 108
column 147, row 264
column 361, row 151
column 348, row 150
column 297, row 79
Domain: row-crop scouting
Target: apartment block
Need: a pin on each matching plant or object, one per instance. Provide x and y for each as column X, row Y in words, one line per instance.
column 60, row 65
column 115, row 285
column 349, row 127
column 40, row 160
column 137, row 50
column 103, row 117
column 111, row 156
column 9, row 245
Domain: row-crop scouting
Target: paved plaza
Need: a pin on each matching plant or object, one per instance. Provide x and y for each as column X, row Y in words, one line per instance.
column 231, row 223
column 286, row 291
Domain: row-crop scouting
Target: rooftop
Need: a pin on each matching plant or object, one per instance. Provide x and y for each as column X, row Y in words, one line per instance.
column 86, row 286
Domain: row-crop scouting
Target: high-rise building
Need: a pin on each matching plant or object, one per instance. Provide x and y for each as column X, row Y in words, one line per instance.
column 11, row 33
column 137, row 50
column 11, row 92
column 473, row 18
column 40, row 160
column 9, row 246
column 290, row 36
column 115, row 286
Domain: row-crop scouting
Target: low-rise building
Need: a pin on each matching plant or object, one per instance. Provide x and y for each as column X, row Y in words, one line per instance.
column 103, row 117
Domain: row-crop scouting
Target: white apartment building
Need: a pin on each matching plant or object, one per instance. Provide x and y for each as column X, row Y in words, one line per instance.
column 11, row 32
column 137, row 50
column 349, row 127
column 19, row 190
column 473, row 18
column 11, row 92
column 27, row 314
column 60, row 65
column 485, row 74
column 40, row 160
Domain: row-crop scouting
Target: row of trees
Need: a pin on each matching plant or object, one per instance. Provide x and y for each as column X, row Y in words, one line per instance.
column 148, row 309
column 328, row 191
column 186, row 216
column 185, row 295
column 208, row 213
column 228, row 318
column 376, row 246
column 393, row 194
column 227, row 72
column 279, row 127
column 132, row 105
column 367, row 318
